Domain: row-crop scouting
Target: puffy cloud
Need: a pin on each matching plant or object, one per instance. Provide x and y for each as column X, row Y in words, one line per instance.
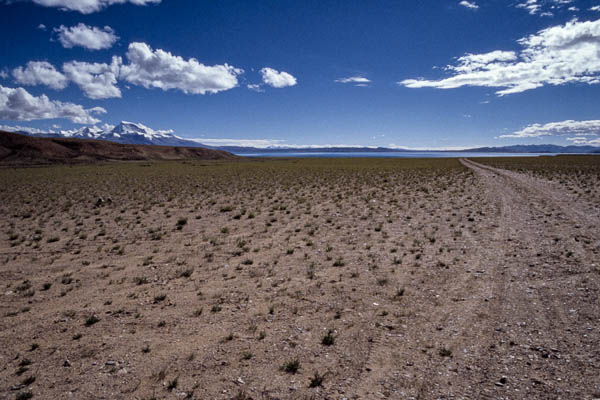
column 354, row 79
column 89, row 6
column 595, row 8
column 17, row 104
column 160, row 69
column 553, row 56
column 41, row 27
column 580, row 131
column 3, row 74
column 90, row 37
column 97, row 80
column 277, row 79
column 469, row 4
column 40, row 73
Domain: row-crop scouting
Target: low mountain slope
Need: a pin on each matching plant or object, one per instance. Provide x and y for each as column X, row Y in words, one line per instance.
column 21, row 150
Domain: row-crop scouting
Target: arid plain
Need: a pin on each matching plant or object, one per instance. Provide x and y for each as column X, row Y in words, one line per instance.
column 302, row 279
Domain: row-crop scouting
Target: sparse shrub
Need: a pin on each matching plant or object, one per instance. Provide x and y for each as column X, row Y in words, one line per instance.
column 329, row 339
column 159, row 297
column 292, row 366
column 172, row 384
column 316, row 380
column 91, row 320
column 444, row 352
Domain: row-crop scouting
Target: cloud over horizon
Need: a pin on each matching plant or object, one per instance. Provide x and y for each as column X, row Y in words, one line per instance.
column 568, row 53
column 17, row 104
column 578, row 130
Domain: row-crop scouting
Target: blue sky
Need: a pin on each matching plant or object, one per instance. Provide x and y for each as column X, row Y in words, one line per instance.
column 418, row 74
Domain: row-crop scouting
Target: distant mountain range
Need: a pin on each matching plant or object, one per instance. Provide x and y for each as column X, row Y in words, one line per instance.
column 534, row 148
column 136, row 133
column 17, row 149
column 124, row 133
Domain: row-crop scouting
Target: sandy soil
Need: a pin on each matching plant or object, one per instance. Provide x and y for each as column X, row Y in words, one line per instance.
column 386, row 279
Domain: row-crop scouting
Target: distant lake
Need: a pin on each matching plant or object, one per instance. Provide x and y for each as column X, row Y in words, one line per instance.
column 366, row 154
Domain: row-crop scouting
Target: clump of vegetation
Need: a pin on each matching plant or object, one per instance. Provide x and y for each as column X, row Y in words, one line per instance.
column 292, row 366
column 329, row 339
column 91, row 320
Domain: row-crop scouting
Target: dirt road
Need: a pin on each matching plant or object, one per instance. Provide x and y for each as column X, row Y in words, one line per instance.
column 518, row 320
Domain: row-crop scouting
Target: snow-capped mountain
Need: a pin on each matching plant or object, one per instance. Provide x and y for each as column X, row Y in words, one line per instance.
column 125, row 133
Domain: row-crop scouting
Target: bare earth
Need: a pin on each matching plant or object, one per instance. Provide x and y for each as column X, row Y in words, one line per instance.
column 399, row 279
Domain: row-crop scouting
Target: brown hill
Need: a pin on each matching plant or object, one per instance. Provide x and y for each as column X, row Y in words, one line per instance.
column 17, row 149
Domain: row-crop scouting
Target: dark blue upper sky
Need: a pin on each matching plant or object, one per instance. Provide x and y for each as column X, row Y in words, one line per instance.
column 379, row 73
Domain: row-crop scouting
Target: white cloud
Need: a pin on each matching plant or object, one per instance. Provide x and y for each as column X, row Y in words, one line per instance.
column 469, row 4
column 553, row 56
column 579, row 129
column 545, row 8
column 40, row 73
column 259, row 143
column 28, row 129
column 3, row 74
column 595, row 8
column 160, row 69
column 277, row 79
column 255, row 87
column 90, row 37
column 354, row 79
column 532, row 6
column 97, row 80
column 89, row 6
column 42, row 27
column 584, row 141
column 17, row 104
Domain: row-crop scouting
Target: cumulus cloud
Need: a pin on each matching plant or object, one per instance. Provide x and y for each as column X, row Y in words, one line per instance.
column 160, row 69
column 579, row 132
column 595, row 8
column 277, row 79
column 17, row 104
column 89, row 6
column 3, row 74
column 96, row 80
column 360, row 80
column 469, row 4
column 40, row 73
column 557, row 55
column 41, row 27
column 90, row 37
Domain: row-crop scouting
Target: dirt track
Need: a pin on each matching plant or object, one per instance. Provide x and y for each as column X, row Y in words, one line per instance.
column 521, row 316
